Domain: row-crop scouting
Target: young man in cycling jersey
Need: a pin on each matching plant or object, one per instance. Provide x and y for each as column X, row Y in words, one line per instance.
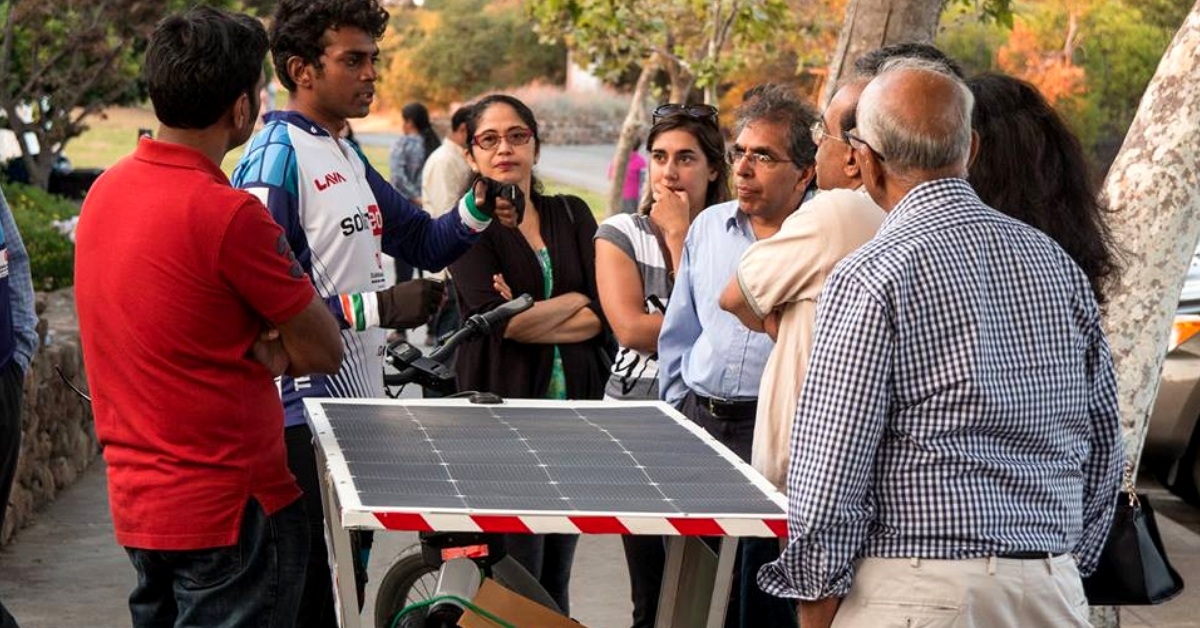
column 340, row 214
column 190, row 303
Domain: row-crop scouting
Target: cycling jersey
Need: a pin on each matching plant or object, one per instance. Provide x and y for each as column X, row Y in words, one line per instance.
column 339, row 215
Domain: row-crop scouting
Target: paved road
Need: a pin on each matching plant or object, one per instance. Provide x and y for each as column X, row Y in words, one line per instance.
column 580, row 166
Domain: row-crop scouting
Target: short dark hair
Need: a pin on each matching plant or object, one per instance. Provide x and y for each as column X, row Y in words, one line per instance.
column 298, row 29
column 1033, row 168
column 460, row 117
column 199, row 62
column 708, row 136
column 780, row 105
column 870, row 63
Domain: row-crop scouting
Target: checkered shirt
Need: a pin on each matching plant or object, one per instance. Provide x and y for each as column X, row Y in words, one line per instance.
column 960, row 401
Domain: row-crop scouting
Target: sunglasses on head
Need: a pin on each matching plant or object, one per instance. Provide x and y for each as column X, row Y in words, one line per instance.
column 699, row 112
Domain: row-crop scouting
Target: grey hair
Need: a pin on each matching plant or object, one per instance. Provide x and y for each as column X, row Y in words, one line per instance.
column 778, row 104
column 907, row 148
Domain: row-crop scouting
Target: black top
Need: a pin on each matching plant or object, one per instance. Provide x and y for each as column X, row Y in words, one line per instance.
column 518, row 370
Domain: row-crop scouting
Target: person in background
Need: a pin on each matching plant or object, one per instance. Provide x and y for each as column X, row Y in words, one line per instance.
column 406, row 160
column 636, row 257
column 553, row 350
column 779, row 279
column 926, row 361
column 445, row 176
column 1022, row 138
column 631, row 190
column 446, row 173
column 710, row 365
column 18, row 343
column 198, row 480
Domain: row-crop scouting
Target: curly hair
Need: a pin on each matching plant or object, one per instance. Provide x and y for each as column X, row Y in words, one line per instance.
column 778, row 104
column 1032, row 167
column 298, row 29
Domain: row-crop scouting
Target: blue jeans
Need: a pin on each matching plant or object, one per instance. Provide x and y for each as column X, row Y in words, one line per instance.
column 256, row 583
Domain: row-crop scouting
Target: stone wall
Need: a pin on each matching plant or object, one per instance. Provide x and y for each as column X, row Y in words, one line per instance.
column 58, row 439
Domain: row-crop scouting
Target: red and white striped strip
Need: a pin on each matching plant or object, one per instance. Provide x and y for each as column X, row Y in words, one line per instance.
column 585, row 524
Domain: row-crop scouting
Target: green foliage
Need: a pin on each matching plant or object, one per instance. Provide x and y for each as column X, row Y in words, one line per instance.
column 1120, row 54
column 62, row 61
column 51, row 255
column 1118, row 44
column 452, row 50
column 705, row 39
column 990, row 11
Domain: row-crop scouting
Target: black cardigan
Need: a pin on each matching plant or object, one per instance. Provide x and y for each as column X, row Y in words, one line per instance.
column 518, row 370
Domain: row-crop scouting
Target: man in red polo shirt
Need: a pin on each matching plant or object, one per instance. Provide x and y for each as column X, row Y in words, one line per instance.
column 190, row 303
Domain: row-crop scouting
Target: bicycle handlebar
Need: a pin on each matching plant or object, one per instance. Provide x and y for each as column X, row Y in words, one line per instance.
column 431, row 370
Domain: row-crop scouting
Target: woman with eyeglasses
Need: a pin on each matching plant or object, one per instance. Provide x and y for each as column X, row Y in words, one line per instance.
column 555, row 350
column 636, row 255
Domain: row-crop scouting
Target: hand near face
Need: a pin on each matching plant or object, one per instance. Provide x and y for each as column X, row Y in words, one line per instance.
column 502, row 209
column 670, row 209
column 501, row 286
column 506, row 213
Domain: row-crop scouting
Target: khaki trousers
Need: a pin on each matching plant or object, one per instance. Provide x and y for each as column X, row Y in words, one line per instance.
column 976, row 593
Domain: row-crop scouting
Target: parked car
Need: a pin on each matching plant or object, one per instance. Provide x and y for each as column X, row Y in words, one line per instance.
column 1172, row 451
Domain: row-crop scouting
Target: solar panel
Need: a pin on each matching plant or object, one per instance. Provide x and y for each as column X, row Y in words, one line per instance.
column 459, row 466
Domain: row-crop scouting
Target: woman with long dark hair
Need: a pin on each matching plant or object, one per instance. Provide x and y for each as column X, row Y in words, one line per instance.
column 553, row 350
column 407, row 159
column 1032, row 167
column 636, row 258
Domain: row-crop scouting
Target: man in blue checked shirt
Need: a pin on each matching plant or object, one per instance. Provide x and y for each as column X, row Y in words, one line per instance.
column 710, row 364
column 956, row 450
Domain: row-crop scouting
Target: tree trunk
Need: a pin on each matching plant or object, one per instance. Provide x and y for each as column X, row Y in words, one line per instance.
column 870, row 24
column 1151, row 187
column 631, row 130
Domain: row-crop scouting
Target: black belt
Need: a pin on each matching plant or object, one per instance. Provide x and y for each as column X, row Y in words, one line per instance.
column 728, row 409
column 1028, row 555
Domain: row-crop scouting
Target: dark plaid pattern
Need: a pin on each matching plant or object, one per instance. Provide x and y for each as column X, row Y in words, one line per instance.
column 960, row 401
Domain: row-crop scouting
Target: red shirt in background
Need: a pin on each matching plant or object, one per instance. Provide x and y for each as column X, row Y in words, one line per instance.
column 175, row 273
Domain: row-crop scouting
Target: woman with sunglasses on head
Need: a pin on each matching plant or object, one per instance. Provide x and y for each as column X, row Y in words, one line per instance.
column 555, row 350
column 636, row 255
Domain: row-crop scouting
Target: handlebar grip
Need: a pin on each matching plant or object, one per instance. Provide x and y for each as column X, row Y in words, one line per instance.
column 508, row 310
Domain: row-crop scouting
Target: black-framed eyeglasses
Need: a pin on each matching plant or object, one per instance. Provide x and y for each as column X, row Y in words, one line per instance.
column 850, row 138
column 489, row 140
column 699, row 112
column 820, row 132
column 768, row 161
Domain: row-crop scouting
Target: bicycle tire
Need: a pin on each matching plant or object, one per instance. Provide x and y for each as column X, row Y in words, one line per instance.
column 396, row 592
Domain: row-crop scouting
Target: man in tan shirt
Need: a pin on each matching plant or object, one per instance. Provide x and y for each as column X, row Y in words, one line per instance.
column 779, row 278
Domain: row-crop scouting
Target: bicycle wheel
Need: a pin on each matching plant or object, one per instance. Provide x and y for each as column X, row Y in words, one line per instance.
column 407, row 582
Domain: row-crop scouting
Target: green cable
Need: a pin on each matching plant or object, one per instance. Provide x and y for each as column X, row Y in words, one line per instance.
column 467, row 603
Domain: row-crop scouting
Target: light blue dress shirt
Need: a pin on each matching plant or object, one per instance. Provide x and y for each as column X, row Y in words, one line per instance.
column 20, row 290
column 702, row 347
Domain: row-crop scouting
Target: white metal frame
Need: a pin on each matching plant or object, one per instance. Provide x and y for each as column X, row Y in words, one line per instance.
column 696, row 580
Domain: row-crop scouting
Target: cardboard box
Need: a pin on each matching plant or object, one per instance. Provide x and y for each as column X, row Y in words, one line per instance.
column 512, row 608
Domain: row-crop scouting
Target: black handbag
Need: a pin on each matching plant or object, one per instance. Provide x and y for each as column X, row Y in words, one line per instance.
column 1133, row 568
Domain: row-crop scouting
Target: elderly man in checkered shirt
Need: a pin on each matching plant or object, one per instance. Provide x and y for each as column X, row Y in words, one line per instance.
column 956, row 448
